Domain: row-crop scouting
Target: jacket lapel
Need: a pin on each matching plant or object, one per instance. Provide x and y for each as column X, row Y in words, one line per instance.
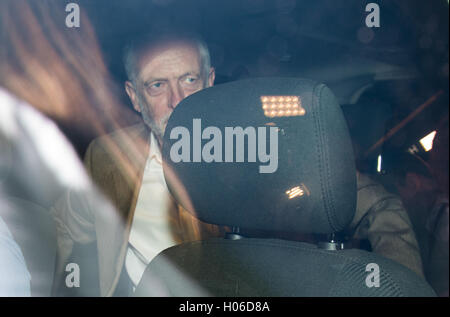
column 119, row 173
column 128, row 153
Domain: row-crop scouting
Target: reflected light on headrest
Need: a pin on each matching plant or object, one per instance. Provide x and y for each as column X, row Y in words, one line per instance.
column 282, row 106
column 297, row 191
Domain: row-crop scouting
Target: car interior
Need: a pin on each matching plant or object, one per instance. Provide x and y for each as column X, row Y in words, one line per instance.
column 370, row 97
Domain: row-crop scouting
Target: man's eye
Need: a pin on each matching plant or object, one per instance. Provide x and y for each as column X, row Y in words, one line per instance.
column 156, row 88
column 156, row 85
column 190, row 80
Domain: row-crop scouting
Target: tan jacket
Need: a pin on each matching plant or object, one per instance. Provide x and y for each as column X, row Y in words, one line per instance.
column 116, row 163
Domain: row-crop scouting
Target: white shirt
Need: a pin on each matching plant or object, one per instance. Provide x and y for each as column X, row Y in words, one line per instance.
column 155, row 224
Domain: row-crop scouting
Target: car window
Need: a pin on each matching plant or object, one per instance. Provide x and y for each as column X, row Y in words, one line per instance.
column 385, row 62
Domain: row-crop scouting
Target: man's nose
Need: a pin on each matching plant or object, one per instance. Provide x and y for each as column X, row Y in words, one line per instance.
column 176, row 95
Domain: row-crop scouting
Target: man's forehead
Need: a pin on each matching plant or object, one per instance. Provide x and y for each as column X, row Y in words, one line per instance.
column 166, row 52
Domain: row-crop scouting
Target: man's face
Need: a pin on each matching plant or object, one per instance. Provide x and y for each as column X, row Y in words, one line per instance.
column 165, row 75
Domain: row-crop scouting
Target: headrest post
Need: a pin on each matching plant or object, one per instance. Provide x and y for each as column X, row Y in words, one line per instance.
column 234, row 234
column 332, row 243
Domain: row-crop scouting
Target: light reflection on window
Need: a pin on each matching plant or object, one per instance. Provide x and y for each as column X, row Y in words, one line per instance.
column 427, row 141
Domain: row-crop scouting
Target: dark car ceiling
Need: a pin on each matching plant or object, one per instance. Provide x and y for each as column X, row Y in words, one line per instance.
column 325, row 40
column 295, row 33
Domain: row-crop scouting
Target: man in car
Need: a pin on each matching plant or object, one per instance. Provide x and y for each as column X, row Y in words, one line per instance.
column 163, row 70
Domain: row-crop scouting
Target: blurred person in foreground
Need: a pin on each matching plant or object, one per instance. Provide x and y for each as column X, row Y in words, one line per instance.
column 48, row 72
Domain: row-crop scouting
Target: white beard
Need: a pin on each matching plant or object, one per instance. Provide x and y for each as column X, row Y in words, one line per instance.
column 158, row 128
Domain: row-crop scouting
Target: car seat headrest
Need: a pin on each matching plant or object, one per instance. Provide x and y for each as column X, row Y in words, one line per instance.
column 266, row 154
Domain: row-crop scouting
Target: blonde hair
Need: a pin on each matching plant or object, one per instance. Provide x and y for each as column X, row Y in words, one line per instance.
column 58, row 70
column 61, row 72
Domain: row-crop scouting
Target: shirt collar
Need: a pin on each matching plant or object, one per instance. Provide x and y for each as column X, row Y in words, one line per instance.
column 155, row 151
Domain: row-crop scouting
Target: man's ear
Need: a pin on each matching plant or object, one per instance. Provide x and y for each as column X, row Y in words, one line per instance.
column 211, row 77
column 131, row 92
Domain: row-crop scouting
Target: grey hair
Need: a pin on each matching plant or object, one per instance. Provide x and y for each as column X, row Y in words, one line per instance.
column 134, row 48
